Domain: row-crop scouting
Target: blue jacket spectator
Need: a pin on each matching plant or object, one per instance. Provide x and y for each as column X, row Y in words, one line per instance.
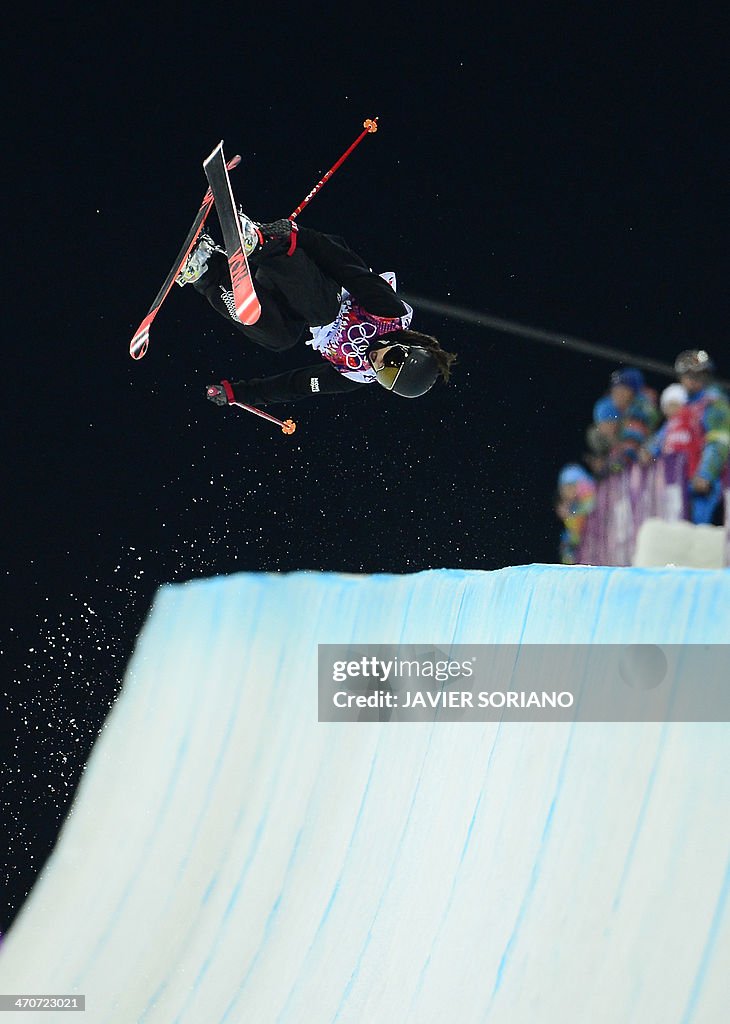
column 576, row 499
column 623, row 419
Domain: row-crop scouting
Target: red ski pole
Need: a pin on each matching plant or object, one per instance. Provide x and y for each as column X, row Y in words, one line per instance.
column 287, row 426
column 370, row 126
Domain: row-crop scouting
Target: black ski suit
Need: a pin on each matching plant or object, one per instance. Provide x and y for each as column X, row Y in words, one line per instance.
column 296, row 292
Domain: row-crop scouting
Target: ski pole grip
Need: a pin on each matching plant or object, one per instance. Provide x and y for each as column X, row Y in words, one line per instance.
column 226, row 385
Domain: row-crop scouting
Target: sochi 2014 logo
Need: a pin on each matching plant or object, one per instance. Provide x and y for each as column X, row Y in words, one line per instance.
column 354, row 348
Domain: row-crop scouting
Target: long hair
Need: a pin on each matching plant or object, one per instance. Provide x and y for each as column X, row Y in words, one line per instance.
column 445, row 360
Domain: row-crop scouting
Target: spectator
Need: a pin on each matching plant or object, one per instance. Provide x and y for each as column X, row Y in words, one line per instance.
column 702, row 430
column 602, row 435
column 622, row 421
column 672, row 401
column 574, row 502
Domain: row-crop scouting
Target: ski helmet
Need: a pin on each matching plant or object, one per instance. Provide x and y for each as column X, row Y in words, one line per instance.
column 693, row 360
column 408, row 370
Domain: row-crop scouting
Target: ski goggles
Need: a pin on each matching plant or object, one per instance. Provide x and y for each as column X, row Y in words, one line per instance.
column 393, row 362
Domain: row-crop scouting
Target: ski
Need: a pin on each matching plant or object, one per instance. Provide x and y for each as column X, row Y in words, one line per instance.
column 245, row 299
column 140, row 342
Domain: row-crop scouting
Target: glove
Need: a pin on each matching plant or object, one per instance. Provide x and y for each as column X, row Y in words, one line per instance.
column 279, row 238
column 220, row 394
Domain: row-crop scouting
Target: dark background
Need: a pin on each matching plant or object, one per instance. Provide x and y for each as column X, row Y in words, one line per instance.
column 555, row 171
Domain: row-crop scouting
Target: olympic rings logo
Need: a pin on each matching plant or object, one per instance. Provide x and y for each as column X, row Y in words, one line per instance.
column 358, row 339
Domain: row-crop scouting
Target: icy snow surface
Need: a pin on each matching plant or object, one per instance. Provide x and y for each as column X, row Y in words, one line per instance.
column 230, row 859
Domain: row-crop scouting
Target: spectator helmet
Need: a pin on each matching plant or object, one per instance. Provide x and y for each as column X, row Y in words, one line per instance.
column 693, row 360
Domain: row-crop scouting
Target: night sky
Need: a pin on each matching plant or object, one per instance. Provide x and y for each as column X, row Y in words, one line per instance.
column 557, row 172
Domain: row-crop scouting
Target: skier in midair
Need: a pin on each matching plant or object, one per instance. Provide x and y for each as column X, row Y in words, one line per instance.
column 312, row 285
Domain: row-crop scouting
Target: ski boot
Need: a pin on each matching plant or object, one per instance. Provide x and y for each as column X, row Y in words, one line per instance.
column 197, row 262
column 249, row 233
column 275, row 239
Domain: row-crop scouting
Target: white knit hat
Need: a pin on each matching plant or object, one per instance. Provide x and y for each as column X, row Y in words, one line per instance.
column 674, row 393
